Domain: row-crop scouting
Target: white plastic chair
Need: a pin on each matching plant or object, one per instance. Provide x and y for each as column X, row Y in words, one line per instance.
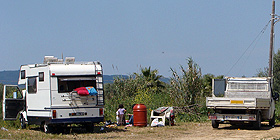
column 161, row 116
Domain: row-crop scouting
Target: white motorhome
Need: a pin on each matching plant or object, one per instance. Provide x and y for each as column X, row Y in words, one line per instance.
column 50, row 99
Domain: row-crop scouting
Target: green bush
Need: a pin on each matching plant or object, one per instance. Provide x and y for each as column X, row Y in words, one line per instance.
column 277, row 112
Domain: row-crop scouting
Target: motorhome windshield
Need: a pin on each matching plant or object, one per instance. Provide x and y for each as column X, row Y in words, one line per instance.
column 235, row 86
column 68, row 84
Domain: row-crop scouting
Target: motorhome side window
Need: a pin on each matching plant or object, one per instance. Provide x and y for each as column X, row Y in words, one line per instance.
column 68, row 84
column 41, row 76
column 22, row 74
column 32, row 85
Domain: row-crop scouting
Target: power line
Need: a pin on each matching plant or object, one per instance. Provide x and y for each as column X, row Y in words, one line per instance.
column 258, row 36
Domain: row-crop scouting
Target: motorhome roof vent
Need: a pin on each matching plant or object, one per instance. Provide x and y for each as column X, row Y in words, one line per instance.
column 69, row 60
column 50, row 59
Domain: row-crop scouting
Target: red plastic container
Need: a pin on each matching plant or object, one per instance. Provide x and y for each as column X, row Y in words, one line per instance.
column 140, row 115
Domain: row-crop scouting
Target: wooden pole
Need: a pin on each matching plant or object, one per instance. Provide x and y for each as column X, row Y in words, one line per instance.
column 271, row 40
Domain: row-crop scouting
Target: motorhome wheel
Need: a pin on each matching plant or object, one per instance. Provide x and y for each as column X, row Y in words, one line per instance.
column 89, row 127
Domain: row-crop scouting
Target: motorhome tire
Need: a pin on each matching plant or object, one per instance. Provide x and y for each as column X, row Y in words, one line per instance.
column 47, row 128
column 215, row 124
column 89, row 127
column 257, row 123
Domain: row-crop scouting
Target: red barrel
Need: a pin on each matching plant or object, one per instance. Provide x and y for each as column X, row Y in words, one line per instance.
column 140, row 115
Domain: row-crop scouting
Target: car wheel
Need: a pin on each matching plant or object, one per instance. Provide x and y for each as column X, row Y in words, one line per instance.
column 215, row 124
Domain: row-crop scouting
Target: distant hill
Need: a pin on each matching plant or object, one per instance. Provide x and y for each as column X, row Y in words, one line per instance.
column 11, row 77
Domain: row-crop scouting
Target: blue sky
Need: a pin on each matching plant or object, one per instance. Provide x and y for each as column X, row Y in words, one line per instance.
column 127, row 35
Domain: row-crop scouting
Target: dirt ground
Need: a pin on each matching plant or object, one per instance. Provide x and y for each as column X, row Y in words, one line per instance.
column 182, row 131
column 192, row 131
column 202, row 131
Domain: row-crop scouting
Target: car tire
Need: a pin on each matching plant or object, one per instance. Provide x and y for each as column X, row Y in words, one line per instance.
column 257, row 124
column 215, row 124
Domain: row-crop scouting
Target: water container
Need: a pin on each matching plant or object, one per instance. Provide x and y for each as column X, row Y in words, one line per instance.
column 140, row 115
column 14, row 95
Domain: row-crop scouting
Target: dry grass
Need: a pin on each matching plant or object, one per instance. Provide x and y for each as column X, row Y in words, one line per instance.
column 119, row 132
column 180, row 131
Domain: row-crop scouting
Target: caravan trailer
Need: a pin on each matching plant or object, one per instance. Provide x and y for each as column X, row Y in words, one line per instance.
column 57, row 93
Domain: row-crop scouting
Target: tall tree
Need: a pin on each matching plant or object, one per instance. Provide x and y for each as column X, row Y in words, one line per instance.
column 186, row 88
column 276, row 72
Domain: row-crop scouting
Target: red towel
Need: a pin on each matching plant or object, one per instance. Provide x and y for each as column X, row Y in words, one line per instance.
column 82, row 91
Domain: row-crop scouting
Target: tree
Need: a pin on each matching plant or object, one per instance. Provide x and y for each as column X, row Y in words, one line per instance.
column 150, row 77
column 186, row 88
column 262, row 73
column 276, row 71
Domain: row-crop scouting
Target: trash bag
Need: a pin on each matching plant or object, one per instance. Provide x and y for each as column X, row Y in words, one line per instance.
column 154, row 122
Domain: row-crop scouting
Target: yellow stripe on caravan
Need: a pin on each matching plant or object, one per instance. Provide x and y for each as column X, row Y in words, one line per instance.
column 236, row 102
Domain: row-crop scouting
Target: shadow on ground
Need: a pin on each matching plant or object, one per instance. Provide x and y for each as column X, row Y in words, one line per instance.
column 247, row 127
column 81, row 130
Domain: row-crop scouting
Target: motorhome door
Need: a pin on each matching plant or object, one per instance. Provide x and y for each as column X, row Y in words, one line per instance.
column 13, row 102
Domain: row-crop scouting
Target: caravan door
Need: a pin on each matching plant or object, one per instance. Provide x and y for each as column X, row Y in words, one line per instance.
column 13, row 102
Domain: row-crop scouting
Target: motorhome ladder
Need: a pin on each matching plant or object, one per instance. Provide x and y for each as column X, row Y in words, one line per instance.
column 99, row 86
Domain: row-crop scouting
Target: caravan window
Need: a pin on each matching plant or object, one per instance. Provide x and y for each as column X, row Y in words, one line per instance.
column 22, row 74
column 32, row 85
column 68, row 84
column 41, row 76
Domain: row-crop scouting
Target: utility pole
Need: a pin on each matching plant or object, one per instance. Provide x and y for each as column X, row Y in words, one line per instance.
column 271, row 40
